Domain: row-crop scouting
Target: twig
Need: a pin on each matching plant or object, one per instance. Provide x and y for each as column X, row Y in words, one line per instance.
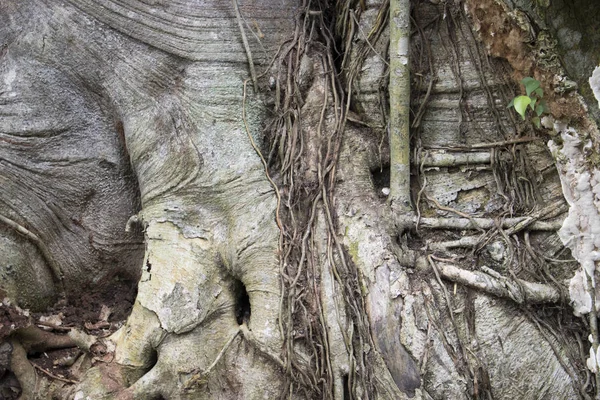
column 54, row 326
column 53, row 376
column 421, row 110
column 367, row 39
column 422, row 190
column 450, row 209
column 422, row 107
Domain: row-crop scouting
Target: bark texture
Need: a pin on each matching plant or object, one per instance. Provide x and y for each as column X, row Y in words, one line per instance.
column 273, row 266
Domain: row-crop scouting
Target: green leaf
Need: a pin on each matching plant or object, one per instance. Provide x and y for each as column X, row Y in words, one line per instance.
column 511, row 104
column 532, row 104
column 527, row 80
column 521, row 103
column 539, row 92
column 536, row 121
column 531, row 86
column 539, row 109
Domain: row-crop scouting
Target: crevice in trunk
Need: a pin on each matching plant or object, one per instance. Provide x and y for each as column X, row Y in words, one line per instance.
column 346, row 387
column 242, row 302
column 381, row 178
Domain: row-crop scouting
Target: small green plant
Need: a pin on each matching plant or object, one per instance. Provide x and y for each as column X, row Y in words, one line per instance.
column 534, row 100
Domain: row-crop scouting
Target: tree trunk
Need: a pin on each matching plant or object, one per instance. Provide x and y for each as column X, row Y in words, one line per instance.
column 244, row 146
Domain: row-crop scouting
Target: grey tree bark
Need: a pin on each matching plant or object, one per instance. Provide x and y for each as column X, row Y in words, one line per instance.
column 268, row 262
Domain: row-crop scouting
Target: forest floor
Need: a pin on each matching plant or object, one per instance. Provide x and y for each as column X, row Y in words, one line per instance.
column 99, row 312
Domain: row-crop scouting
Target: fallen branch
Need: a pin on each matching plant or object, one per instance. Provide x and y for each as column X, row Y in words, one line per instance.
column 466, row 241
column 53, row 376
column 442, row 158
column 491, row 282
column 515, row 224
column 487, row 145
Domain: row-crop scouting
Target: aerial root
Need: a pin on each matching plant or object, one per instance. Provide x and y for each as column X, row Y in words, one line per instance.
column 249, row 336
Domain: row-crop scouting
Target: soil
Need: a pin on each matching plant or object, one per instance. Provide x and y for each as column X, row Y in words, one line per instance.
column 117, row 295
column 97, row 311
column 11, row 318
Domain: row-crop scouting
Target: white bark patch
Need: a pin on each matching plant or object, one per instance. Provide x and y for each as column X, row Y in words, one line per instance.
column 592, row 362
column 177, row 282
column 595, row 83
column 581, row 229
column 578, row 292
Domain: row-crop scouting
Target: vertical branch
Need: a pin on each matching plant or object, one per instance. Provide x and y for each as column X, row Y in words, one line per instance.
column 399, row 89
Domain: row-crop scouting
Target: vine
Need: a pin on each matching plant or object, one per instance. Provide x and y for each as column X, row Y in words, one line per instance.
column 307, row 202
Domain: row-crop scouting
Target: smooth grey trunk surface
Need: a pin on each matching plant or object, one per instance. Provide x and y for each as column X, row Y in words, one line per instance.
column 141, row 114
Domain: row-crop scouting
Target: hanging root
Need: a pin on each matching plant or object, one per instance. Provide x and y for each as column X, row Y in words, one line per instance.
column 303, row 156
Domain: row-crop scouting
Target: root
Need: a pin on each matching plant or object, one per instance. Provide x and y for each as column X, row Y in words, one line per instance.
column 23, row 370
column 200, row 378
column 249, row 336
column 304, row 196
column 33, row 339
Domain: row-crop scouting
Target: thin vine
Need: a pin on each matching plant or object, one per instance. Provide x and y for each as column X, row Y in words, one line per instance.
column 305, row 198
